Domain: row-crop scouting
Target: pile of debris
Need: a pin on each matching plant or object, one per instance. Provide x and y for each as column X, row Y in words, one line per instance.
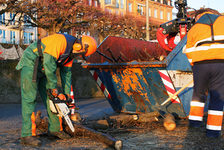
column 100, row 130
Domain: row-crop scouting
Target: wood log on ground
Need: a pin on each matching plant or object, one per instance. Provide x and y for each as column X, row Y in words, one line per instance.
column 169, row 122
column 99, row 124
column 148, row 117
column 123, row 120
column 81, row 130
column 41, row 123
column 126, row 119
column 120, row 120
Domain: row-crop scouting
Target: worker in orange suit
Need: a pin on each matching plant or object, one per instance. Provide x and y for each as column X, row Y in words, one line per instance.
column 205, row 51
column 38, row 67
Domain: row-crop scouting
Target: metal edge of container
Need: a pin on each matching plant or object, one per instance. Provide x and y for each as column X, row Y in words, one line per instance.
column 133, row 64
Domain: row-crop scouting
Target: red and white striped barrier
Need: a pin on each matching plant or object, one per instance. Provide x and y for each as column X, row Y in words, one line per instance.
column 72, row 104
column 168, row 84
column 100, row 84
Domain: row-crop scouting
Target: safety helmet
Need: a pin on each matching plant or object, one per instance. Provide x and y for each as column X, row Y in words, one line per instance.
column 87, row 44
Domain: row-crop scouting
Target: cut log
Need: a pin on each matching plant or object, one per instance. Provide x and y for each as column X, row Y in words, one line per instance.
column 121, row 120
column 100, row 124
column 41, row 123
column 169, row 122
column 81, row 130
column 126, row 119
column 148, row 117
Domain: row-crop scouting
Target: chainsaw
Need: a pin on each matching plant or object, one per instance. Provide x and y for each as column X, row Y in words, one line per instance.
column 60, row 108
column 169, row 33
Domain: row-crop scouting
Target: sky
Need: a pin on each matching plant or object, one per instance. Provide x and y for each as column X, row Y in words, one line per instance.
column 214, row 4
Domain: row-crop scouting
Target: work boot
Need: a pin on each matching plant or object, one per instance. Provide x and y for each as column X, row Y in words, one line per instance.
column 60, row 135
column 30, row 140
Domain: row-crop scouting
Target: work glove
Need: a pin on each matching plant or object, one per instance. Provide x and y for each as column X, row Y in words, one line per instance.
column 56, row 97
column 53, row 93
column 62, row 97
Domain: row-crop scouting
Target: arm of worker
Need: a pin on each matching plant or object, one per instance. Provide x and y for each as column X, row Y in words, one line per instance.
column 189, row 47
column 50, row 67
column 66, row 78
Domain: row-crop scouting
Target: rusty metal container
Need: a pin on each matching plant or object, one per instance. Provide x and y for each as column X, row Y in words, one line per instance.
column 129, row 72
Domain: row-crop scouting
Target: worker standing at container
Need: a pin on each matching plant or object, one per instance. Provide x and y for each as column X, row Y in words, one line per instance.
column 38, row 67
column 205, row 51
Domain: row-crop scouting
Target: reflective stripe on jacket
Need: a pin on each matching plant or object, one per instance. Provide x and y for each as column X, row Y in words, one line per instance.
column 205, row 40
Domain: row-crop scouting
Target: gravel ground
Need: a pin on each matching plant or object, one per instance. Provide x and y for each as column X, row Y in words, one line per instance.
column 138, row 137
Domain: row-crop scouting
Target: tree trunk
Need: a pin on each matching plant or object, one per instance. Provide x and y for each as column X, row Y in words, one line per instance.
column 81, row 130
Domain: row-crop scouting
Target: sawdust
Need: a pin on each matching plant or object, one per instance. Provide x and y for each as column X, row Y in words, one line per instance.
column 139, row 136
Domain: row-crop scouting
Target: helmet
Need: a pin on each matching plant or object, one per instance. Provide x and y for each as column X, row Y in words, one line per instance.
column 87, row 44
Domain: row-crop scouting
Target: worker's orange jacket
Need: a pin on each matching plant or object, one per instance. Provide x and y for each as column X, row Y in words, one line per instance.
column 205, row 40
column 56, row 49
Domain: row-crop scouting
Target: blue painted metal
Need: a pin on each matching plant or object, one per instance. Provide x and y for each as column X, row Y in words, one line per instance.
column 136, row 87
column 177, row 60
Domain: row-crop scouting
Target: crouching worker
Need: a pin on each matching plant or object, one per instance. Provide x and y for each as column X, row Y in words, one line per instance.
column 205, row 49
column 38, row 67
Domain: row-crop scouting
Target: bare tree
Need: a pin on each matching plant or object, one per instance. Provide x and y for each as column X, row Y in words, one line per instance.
column 57, row 15
column 51, row 15
column 102, row 24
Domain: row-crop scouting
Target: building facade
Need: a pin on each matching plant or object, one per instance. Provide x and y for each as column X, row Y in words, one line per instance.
column 159, row 11
column 12, row 32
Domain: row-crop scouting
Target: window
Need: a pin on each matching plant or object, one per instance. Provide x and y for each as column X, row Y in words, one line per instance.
column 27, row 38
column 2, row 18
column 130, row 7
column 168, row 16
column 12, row 36
column 161, row 14
column 27, row 19
column 90, row 2
column 11, row 17
column 107, row 1
column 169, row 3
column 140, row 9
column 2, row 36
column 122, row 3
column 117, row 3
column 150, row 12
column 30, row 37
column 95, row 3
column 155, row 13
